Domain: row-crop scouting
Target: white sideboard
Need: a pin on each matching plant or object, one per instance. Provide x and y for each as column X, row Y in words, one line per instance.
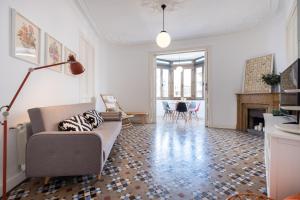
column 282, row 159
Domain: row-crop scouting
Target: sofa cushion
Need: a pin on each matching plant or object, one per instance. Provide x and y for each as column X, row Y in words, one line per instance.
column 108, row 132
column 47, row 118
column 93, row 117
column 75, row 123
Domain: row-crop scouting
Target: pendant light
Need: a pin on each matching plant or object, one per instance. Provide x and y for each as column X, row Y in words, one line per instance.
column 163, row 39
column 179, row 68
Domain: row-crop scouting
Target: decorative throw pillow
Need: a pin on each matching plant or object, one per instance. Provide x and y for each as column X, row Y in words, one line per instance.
column 93, row 117
column 75, row 123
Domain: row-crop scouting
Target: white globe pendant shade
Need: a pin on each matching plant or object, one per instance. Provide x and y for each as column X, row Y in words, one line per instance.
column 179, row 68
column 163, row 39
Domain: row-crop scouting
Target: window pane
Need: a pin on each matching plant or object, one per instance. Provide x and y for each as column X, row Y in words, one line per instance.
column 187, row 82
column 177, row 83
column 165, row 82
column 162, row 62
column 158, row 82
column 199, row 82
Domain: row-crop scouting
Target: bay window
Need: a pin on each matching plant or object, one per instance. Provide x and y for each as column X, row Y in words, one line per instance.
column 173, row 82
column 187, row 82
column 199, row 82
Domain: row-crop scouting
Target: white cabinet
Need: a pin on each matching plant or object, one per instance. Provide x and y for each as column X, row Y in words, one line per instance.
column 282, row 159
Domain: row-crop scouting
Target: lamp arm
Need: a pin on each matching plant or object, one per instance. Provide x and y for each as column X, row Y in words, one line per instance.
column 8, row 107
column 5, row 112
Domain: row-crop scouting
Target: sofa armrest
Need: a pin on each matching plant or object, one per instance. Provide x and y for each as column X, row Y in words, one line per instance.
column 63, row 154
column 111, row 116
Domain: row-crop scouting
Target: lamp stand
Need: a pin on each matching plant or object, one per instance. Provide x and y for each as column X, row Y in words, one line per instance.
column 4, row 156
column 76, row 69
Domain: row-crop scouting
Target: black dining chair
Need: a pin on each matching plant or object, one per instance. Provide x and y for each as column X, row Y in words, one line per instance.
column 181, row 110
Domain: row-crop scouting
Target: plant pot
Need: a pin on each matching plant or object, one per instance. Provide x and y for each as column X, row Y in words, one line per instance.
column 275, row 88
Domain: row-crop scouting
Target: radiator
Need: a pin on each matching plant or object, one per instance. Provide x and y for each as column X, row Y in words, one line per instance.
column 21, row 133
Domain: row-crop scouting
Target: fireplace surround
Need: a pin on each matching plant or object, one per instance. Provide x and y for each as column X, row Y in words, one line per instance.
column 250, row 108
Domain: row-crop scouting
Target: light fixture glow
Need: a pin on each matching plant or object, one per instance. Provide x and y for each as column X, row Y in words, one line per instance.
column 179, row 68
column 163, row 39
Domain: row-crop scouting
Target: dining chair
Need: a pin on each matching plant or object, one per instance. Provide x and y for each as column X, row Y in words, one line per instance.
column 167, row 109
column 181, row 110
column 194, row 109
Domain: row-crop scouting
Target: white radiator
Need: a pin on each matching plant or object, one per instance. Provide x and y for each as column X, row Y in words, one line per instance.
column 21, row 132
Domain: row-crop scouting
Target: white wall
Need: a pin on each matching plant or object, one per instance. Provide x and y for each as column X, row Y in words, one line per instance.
column 122, row 70
column 62, row 20
column 130, row 74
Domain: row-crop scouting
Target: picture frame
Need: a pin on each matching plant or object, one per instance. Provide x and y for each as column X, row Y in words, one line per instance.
column 254, row 69
column 25, row 39
column 53, row 52
column 68, row 52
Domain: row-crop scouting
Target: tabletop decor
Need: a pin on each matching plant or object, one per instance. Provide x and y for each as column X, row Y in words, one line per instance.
column 25, row 39
column 75, row 67
column 53, row 52
column 272, row 80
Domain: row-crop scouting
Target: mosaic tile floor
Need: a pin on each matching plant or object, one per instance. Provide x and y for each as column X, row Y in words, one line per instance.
column 165, row 161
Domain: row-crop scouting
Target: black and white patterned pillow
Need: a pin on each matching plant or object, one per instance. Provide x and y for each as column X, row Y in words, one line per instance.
column 75, row 123
column 94, row 118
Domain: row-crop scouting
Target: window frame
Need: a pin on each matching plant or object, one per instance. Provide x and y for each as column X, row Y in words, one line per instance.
column 203, row 81
column 162, row 67
column 171, row 69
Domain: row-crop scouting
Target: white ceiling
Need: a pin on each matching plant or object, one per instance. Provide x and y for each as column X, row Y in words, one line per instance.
column 182, row 56
column 139, row 21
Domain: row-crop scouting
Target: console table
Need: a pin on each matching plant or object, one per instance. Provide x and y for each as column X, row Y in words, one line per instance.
column 282, row 159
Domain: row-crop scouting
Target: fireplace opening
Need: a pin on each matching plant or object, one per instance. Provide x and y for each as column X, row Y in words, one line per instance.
column 256, row 122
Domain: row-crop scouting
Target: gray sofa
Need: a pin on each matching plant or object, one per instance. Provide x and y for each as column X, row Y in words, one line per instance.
column 51, row 153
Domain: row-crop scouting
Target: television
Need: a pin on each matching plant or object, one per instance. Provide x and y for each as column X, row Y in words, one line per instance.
column 290, row 89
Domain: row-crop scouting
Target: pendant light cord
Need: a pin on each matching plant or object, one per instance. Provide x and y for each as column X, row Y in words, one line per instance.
column 163, row 6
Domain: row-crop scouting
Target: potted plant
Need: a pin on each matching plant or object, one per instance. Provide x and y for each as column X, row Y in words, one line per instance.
column 273, row 80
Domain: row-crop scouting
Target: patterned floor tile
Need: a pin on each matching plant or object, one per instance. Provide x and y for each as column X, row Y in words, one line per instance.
column 165, row 161
column 118, row 184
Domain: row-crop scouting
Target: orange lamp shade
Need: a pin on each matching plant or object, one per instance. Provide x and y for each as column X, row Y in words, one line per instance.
column 75, row 66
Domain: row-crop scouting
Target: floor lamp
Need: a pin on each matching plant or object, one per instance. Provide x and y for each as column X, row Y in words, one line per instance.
column 75, row 67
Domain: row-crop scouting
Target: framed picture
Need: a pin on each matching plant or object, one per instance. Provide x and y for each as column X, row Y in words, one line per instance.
column 66, row 56
column 53, row 52
column 254, row 70
column 25, row 39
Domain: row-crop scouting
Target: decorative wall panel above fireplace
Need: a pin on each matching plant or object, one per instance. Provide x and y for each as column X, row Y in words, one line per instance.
column 250, row 106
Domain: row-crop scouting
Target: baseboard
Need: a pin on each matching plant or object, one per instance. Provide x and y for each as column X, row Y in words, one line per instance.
column 222, row 126
column 14, row 181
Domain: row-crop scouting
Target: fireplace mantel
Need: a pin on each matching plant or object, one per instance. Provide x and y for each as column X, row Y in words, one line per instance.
column 246, row 101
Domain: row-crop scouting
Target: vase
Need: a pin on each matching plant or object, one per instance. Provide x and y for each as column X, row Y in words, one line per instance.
column 275, row 88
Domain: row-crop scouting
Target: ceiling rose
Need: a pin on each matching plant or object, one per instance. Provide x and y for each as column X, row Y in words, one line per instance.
column 156, row 4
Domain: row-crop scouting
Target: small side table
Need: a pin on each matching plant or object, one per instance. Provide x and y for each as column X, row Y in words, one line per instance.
column 141, row 115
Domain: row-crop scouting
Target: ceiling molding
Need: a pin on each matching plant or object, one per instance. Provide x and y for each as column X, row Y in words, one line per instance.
column 83, row 8
column 146, row 19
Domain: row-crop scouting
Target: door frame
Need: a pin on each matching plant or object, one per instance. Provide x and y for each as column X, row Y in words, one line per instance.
column 152, row 81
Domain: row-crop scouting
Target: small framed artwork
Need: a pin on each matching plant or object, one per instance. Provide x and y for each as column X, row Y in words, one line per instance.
column 25, row 39
column 66, row 57
column 53, row 52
